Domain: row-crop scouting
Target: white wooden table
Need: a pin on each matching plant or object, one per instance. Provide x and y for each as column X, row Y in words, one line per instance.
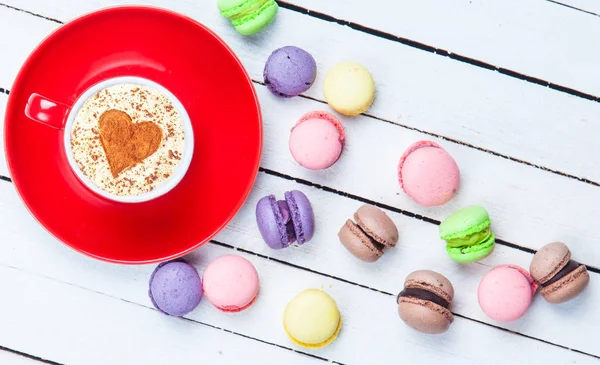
column 511, row 88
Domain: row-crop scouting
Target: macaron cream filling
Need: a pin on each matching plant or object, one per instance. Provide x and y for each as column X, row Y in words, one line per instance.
column 475, row 238
column 566, row 270
column 475, row 228
column 281, row 211
column 378, row 246
column 293, row 223
column 467, row 234
column 284, row 209
column 490, row 241
column 423, row 294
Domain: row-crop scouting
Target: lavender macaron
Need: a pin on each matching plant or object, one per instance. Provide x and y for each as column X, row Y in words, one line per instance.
column 175, row 288
column 289, row 71
column 282, row 222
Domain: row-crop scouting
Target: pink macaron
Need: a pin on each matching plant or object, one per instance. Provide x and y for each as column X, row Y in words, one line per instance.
column 317, row 140
column 428, row 174
column 230, row 283
column 505, row 292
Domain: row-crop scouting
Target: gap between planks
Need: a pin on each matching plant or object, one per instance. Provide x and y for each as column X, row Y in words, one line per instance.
column 442, row 137
column 420, row 46
column 361, row 199
column 438, row 51
column 407, row 42
column 572, row 7
column 382, row 205
column 423, row 47
column 337, row 278
column 29, row 356
column 182, row 318
column 227, row 246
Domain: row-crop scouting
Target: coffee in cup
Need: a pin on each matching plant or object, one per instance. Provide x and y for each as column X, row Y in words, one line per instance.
column 128, row 139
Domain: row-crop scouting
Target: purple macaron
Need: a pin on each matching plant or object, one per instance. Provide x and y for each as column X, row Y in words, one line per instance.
column 175, row 288
column 282, row 222
column 290, row 71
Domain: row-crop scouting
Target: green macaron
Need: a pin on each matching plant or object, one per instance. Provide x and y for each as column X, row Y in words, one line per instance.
column 467, row 234
column 248, row 16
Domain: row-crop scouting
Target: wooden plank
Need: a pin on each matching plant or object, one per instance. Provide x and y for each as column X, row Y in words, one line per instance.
column 30, row 248
column 280, row 161
column 531, row 41
column 107, row 313
column 415, row 89
column 530, row 207
column 73, row 325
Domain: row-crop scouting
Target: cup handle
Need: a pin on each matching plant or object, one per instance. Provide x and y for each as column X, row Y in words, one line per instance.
column 47, row 111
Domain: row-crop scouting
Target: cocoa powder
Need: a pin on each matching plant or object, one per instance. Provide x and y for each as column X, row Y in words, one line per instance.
column 126, row 143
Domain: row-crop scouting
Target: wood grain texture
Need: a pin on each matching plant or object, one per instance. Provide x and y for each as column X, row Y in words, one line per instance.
column 416, row 89
column 541, row 39
column 11, row 358
column 73, row 325
column 419, row 248
column 370, row 318
column 69, row 308
column 590, row 6
column 517, row 195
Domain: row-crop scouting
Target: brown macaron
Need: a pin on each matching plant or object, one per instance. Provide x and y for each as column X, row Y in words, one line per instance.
column 561, row 278
column 372, row 231
column 425, row 301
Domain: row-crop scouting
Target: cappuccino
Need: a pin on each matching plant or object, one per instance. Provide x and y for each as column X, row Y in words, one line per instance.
column 127, row 139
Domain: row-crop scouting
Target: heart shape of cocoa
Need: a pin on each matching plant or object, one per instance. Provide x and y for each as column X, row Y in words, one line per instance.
column 126, row 143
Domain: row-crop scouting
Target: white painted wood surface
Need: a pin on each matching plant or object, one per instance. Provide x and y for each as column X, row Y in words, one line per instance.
column 591, row 6
column 7, row 357
column 532, row 37
column 416, row 89
column 61, row 306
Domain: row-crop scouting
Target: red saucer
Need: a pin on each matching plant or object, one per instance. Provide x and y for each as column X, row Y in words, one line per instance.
column 200, row 70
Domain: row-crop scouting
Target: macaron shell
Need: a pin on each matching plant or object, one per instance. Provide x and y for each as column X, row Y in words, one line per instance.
column 428, row 174
column 568, row 287
column 232, row 7
column 289, row 71
column 349, row 88
column 377, row 224
column 465, row 222
column 175, row 288
column 431, row 281
column 302, row 215
column 505, row 293
column 230, row 283
column 317, row 140
column 472, row 253
column 424, row 316
column 548, row 261
column 312, row 319
column 259, row 20
column 270, row 223
column 358, row 244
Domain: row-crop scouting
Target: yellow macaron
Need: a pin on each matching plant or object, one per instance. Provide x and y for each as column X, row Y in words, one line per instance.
column 349, row 88
column 312, row 319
